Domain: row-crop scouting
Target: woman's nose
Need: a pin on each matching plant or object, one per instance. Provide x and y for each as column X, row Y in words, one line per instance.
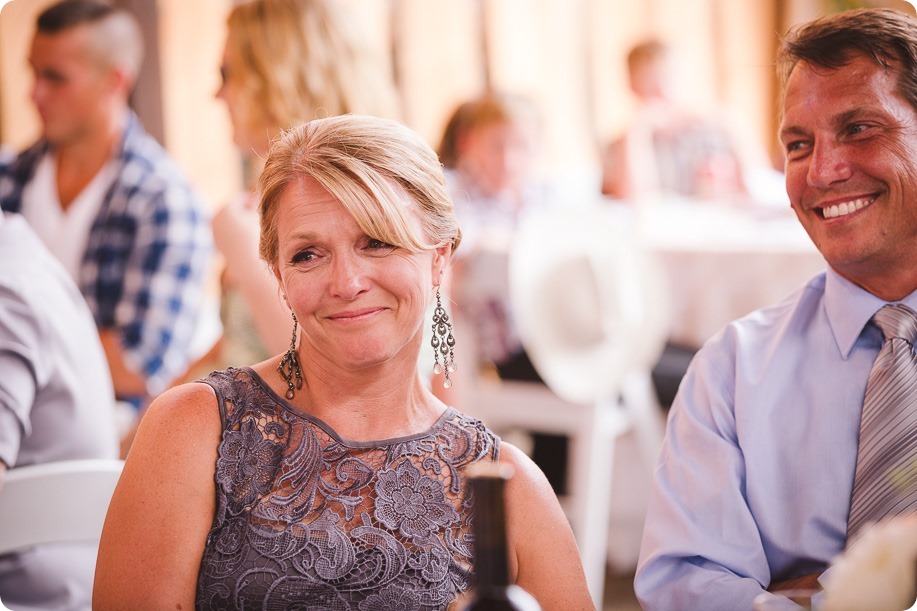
column 348, row 276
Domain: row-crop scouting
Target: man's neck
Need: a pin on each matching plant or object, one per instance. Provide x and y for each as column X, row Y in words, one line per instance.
column 891, row 287
column 79, row 161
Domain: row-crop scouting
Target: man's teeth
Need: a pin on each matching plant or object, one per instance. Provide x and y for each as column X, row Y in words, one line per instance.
column 845, row 208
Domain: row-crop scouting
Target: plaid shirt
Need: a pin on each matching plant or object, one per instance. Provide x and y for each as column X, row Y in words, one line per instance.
column 143, row 272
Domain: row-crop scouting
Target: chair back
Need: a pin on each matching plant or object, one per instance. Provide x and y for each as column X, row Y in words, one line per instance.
column 56, row 502
column 590, row 308
column 589, row 301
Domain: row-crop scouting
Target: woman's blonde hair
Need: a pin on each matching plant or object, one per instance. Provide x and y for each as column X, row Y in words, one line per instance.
column 381, row 171
column 299, row 59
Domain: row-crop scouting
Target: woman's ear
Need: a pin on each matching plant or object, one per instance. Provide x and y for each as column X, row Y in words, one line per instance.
column 275, row 269
column 441, row 258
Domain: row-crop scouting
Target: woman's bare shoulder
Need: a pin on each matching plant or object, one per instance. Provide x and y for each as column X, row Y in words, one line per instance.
column 527, row 476
column 185, row 414
column 163, row 507
column 190, row 399
column 544, row 558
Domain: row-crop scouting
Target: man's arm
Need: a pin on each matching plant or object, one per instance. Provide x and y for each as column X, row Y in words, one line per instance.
column 235, row 231
column 701, row 546
column 127, row 382
column 20, row 364
column 164, row 293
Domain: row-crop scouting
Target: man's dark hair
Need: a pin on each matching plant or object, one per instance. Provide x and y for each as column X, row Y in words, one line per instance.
column 115, row 40
column 886, row 36
column 69, row 13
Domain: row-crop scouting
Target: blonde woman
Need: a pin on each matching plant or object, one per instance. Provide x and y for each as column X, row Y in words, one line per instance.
column 285, row 62
column 329, row 476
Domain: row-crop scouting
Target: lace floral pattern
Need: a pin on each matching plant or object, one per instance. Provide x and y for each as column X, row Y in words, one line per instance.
column 308, row 520
column 411, row 503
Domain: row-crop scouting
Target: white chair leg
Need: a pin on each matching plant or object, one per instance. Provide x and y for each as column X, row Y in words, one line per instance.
column 642, row 406
column 592, row 459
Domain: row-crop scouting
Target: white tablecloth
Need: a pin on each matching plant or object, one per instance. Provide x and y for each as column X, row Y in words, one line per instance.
column 724, row 262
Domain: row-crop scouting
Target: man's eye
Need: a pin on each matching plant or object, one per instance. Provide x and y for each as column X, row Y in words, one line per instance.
column 795, row 146
column 52, row 78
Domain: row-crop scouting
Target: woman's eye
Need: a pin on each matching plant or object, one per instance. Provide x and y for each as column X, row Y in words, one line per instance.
column 303, row 256
column 379, row 245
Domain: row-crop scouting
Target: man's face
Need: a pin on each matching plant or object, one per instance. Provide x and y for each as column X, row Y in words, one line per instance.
column 71, row 90
column 851, row 169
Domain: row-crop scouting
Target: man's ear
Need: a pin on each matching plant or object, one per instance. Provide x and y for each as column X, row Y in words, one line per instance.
column 121, row 81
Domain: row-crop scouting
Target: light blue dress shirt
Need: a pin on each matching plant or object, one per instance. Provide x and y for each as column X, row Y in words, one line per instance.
column 754, row 479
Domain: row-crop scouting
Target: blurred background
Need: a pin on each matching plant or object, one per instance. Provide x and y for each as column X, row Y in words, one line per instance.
column 568, row 55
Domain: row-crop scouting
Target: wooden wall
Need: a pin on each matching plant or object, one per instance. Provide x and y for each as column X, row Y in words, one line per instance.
column 567, row 54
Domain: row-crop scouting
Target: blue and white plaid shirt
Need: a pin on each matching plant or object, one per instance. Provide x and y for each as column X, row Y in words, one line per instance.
column 143, row 272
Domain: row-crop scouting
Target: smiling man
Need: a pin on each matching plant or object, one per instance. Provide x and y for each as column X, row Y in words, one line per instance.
column 778, row 453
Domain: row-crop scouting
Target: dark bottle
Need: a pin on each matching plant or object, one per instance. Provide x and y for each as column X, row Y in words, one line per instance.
column 493, row 589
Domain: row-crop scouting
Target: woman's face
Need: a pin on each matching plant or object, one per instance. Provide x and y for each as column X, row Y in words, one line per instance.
column 499, row 155
column 251, row 140
column 360, row 302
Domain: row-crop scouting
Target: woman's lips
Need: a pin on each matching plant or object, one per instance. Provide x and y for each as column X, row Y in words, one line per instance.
column 354, row 315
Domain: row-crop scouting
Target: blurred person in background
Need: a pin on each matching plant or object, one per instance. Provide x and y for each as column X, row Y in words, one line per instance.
column 109, row 202
column 329, row 476
column 285, row 62
column 666, row 148
column 490, row 148
column 56, row 403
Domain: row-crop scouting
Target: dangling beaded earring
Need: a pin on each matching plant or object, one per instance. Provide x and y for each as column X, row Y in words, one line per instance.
column 289, row 365
column 442, row 342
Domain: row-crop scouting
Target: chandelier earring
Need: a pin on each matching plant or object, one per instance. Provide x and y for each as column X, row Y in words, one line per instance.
column 443, row 342
column 289, row 368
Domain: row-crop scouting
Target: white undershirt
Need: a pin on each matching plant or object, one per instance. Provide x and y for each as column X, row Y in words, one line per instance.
column 64, row 232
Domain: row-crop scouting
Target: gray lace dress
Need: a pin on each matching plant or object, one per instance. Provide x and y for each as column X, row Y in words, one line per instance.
column 308, row 520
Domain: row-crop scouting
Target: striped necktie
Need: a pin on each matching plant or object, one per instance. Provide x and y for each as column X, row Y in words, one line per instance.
column 885, row 483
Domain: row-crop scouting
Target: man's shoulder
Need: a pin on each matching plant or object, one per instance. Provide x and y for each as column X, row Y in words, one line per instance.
column 7, row 155
column 803, row 300
column 16, row 171
column 149, row 171
column 27, row 267
column 790, row 318
column 11, row 160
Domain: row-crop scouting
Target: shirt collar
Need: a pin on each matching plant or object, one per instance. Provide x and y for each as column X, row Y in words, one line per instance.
column 850, row 308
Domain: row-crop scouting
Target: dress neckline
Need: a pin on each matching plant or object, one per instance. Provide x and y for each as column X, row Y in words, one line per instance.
column 447, row 414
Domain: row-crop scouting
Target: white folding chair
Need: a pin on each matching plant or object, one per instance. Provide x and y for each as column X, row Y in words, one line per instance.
column 590, row 307
column 56, row 502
